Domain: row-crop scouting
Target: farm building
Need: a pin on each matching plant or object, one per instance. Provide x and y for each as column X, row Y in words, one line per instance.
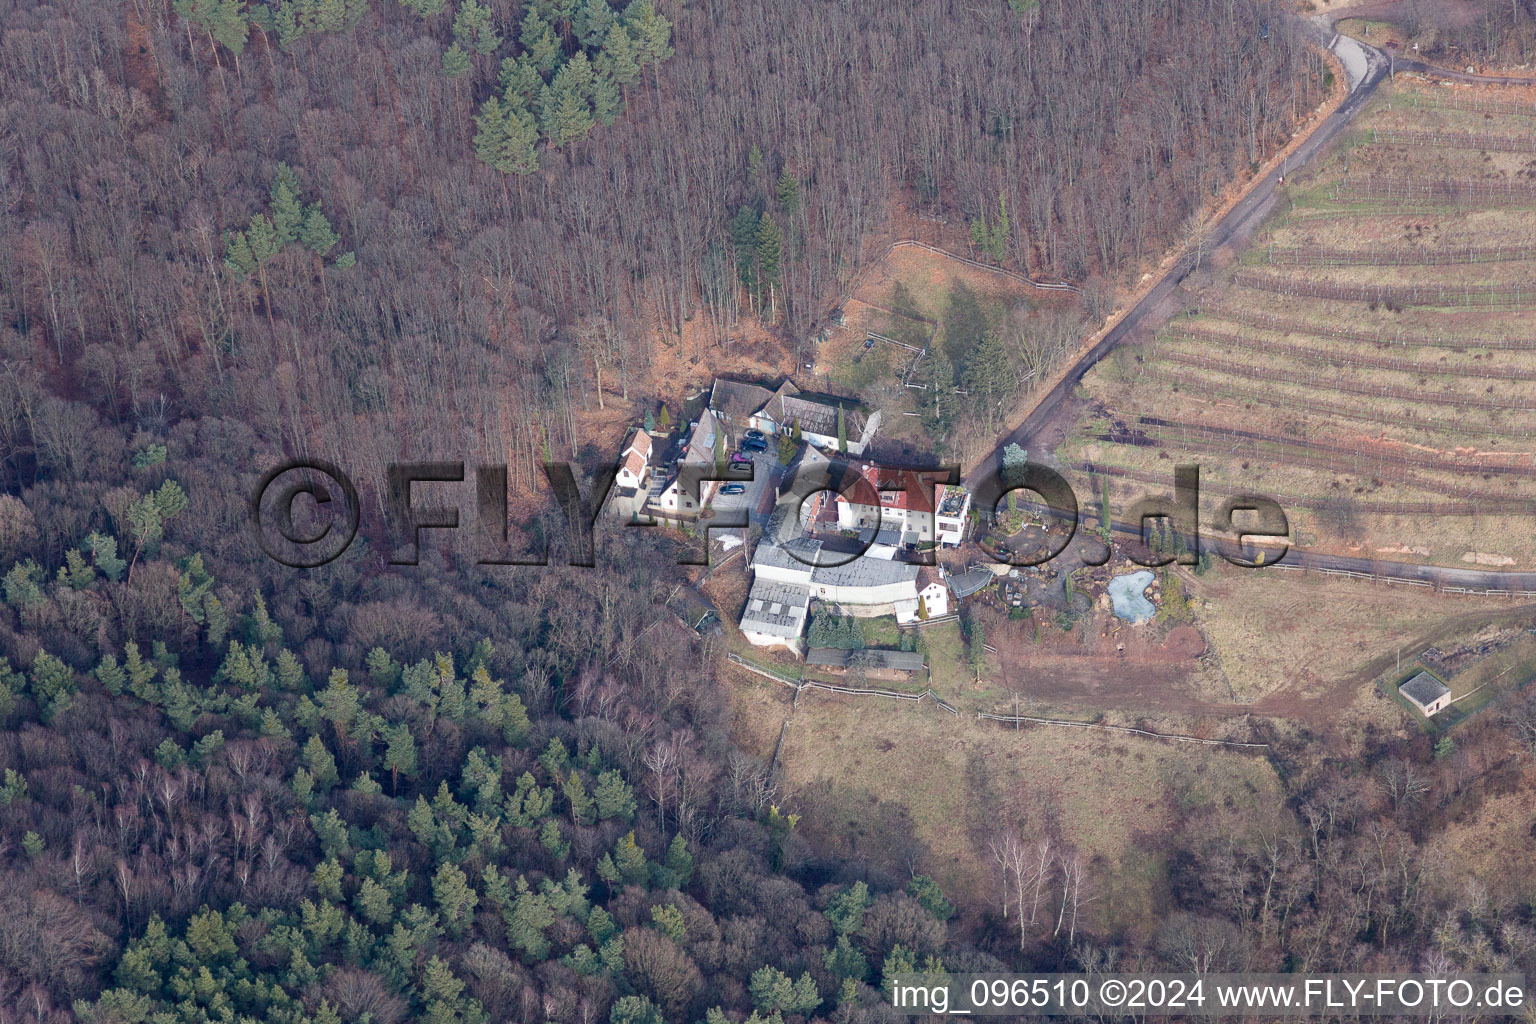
column 865, row 587
column 745, row 406
column 775, row 614
column 876, row 659
column 790, row 562
column 1426, row 693
column 886, row 498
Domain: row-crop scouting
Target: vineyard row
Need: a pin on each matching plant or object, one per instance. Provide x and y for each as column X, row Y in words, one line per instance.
column 1350, row 361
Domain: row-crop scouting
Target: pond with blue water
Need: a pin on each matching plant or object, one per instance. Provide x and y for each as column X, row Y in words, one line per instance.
column 1128, row 598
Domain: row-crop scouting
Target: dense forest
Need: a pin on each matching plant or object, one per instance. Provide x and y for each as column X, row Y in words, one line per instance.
column 1083, row 135
column 1481, row 31
column 233, row 232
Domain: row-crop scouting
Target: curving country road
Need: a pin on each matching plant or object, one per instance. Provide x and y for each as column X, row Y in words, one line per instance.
column 1366, row 67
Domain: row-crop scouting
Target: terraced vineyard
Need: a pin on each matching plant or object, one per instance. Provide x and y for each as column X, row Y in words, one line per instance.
column 1370, row 361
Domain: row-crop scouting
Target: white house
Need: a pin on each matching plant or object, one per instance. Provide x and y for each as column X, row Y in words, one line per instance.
column 933, row 591
column 634, row 461
column 885, row 498
column 670, row 498
column 865, row 587
column 932, row 598
column 952, row 504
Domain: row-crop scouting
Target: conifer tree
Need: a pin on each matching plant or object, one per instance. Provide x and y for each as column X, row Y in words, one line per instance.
column 520, row 80
column 540, row 44
column 607, row 103
column 287, row 209
column 770, row 250
column 456, row 899
column 788, row 192
column 565, row 114
column 592, row 21
column 455, row 62
column 506, row 137
column 619, row 54
column 400, row 755
column 474, row 28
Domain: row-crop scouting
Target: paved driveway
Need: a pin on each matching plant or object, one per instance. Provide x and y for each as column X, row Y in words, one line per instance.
column 757, row 499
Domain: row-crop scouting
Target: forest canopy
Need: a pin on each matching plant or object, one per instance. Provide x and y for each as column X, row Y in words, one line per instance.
column 236, row 232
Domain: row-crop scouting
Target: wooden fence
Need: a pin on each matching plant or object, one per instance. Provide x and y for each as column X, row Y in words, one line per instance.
column 1398, row 417
column 1404, row 581
column 1101, row 726
column 850, row 691
column 1237, row 439
column 1473, row 100
column 1482, row 507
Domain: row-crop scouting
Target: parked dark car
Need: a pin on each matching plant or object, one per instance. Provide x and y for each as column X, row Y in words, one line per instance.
column 734, row 489
column 754, row 444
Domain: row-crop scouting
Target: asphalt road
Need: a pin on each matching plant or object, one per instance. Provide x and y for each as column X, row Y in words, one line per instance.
column 1232, row 228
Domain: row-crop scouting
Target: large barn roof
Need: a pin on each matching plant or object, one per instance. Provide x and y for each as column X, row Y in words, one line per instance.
column 776, row 609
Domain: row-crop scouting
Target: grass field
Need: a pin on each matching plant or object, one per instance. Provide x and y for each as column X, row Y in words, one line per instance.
column 869, row 777
column 1368, row 363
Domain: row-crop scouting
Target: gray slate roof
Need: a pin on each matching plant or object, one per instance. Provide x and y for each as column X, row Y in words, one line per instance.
column 777, row 556
column 864, row 572
column 777, row 609
column 736, row 400
column 1423, row 688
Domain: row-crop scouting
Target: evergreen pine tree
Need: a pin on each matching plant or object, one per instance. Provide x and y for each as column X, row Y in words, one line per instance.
column 592, row 21
column 788, row 193
column 619, row 53
column 520, row 80
column 565, row 114
column 506, row 137
column 456, row 61
column 287, row 209
column 400, row 755
column 540, row 45
column 938, row 375
column 770, row 250
column 474, row 29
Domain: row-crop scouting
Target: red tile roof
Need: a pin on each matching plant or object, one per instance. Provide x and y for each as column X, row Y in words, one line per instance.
column 639, row 441
column 913, row 490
